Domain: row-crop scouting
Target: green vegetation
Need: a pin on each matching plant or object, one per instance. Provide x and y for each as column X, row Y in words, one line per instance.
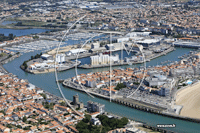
column 2, row 111
column 32, row 57
column 66, row 114
column 6, row 38
column 136, row 83
column 87, row 118
column 120, row 86
column 27, row 128
column 3, row 54
column 48, row 105
column 62, row 103
column 112, row 123
column 184, row 84
column 29, row 23
column 78, row 108
column 85, row 126
column 43, row 95
column 18, row 126
column 24, row 119
column 35, row 37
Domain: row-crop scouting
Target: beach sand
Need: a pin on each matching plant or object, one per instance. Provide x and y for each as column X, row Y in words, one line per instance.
column 190, row 99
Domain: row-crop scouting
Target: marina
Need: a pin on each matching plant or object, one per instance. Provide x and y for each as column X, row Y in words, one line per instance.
column 33, row 46
column 50, row 85
column 79, row 36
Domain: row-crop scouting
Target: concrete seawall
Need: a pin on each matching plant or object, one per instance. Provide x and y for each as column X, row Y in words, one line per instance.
column 138, row 106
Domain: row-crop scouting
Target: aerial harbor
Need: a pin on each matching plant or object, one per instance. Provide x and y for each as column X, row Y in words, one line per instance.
column 99, row 66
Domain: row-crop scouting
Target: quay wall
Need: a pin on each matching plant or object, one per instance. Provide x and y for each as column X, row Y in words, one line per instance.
column 153, row 110
column 126, row 63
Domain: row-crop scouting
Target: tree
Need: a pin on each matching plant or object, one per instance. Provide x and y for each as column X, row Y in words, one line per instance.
column 10, row 36
column 25, row 66
column 35, row 37
column 120, row 86
column 62, row 103
column 43, row 95
column 81, row 126
column 27, row 128
column 2, row 111
column 87, row 118
column 18, row 126
column 124, row 120
column 1, row 84
column 24, row 119
column 66, row 114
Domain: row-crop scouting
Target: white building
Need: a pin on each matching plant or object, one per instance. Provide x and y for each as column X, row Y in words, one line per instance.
column 134, row 34
column 91, row 83
column 95, row 121
column 30, row 86
column 124, row 39
column 39, row 66
column 60, row 58
column 103, row 59
column 75, row 52
column 95, row 45
column 46, row 57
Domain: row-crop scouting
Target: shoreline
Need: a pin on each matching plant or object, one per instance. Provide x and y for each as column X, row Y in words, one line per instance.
column 88, row 66
column 143, row 123
column 141, row 108
column 189, row 97
column 27, row 27
column 48, row 70
column 166, row 115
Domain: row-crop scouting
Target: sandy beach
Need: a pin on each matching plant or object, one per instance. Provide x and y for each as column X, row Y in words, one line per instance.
column 190, row 99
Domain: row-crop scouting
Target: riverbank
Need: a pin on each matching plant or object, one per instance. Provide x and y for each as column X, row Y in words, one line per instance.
column 27, row 27
column 189, row 98
column 17, row 55
column 121, row 62
column 140, row 125
column 47, row 82
column 65, row 66
column 133, row 104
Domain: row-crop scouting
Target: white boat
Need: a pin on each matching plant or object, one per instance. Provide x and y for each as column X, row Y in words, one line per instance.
column 130, row 63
